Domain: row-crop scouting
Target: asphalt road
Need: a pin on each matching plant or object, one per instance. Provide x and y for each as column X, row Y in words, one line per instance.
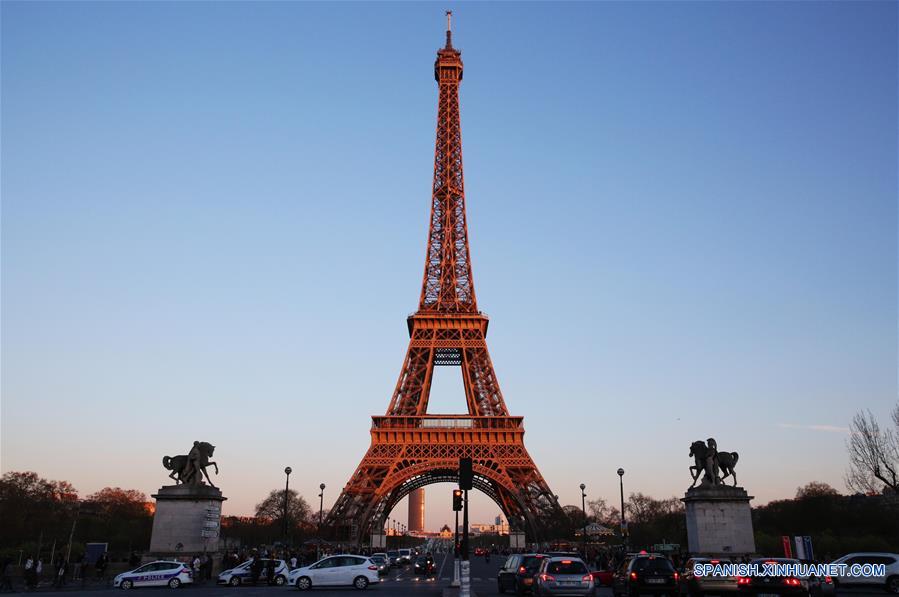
column 400, row 583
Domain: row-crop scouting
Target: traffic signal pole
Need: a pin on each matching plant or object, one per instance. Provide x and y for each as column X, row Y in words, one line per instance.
column 465, row 588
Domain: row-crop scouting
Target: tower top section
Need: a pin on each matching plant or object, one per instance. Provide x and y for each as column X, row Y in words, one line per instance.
column 448, row 287
column 448, row 67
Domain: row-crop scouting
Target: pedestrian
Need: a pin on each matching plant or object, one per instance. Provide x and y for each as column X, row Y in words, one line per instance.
column 293, row 560
column 100, row 566
column 83, row 568
column 134, row 560
column 196, row 568
column 270, row 570
column 60, row 573
column 6, row 576
column 206, row 567
column 256, row 569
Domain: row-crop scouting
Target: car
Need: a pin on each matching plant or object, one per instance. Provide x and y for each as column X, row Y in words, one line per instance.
column 517, row 573
column 646, row 574
column 425, row 565
column 697, row 586
column 890, row 580
column 562, row 575
column 337, row 570
column 380, row 559
column 244, row 574
column 480, row 551
column 405, row 557
column 392, row 558
column 160, row 573
column 602, row 578
column 771, row 586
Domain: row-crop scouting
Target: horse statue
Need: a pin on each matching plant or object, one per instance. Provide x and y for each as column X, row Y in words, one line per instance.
column 191, row 467
column 710, row 461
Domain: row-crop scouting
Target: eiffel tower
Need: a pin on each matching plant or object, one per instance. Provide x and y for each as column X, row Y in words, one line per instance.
column 409, row 447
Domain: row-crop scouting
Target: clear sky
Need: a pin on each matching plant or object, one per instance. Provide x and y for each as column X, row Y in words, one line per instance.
column 682, row 219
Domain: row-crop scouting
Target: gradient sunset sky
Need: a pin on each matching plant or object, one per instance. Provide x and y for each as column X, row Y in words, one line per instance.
column 682, row 219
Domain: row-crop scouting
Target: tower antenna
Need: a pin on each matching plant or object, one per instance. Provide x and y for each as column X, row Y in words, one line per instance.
column 449, row 29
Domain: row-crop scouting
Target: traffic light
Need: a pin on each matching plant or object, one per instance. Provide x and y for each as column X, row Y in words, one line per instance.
column 466, row 475
column 457, row 500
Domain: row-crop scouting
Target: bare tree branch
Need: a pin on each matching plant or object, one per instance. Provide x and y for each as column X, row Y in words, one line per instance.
column 873, row 454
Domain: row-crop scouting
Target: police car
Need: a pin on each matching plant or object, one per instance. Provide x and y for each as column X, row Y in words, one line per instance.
column 155, row 574
column 243, row 573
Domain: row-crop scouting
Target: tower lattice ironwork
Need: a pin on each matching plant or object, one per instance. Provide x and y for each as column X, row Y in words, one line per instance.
column 409, row 447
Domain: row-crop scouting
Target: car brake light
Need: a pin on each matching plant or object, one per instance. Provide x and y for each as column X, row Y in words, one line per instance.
column 676, row 576
column 642, row 552
column 566, row 561
column 372, row 567
column 633, row 576
column 792, row 582
column 715, row 561
column 587, row 578
column 828, row 580
column 521, row 570
column 743, row 580
column 547, row 578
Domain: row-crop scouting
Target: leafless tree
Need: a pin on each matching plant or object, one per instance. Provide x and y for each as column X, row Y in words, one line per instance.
column 873, row 454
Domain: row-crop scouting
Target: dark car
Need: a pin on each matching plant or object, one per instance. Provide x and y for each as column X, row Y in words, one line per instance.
column 425, row 565
column 646, row 575
column 518, row 573
column 769, row 586
column 381, row 563
column 697, row 586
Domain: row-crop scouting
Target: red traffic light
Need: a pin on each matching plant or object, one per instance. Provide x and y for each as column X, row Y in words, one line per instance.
column 457, row 500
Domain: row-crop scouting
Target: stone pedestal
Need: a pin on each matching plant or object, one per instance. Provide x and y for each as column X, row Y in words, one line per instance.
column 719, row 521
column 187, row 520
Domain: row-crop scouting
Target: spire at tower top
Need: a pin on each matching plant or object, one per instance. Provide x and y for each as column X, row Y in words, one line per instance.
column 449, row 30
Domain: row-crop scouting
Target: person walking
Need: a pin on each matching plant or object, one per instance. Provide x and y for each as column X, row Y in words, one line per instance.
column 60, row 573
column 100, row 566
column 256, row 569
column 6, row 576
column 198, row 576
column 29, row 573
column 270, row 569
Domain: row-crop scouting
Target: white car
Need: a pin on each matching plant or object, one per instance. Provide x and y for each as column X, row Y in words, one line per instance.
column 243, row 573
column 160, row 573
column 339, row 570
column 890, row 581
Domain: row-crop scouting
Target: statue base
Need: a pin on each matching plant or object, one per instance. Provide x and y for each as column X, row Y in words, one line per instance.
column 719, row 521
column 187, row 520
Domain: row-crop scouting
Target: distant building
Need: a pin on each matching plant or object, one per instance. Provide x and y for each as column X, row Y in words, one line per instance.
column 417, row 511
column 497, row 528
column 446, row 532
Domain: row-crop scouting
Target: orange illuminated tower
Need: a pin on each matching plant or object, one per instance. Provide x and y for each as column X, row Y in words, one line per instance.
column 417, row 510
column 411, row 448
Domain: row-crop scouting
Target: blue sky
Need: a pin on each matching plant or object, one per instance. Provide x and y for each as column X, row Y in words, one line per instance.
column 682, row 219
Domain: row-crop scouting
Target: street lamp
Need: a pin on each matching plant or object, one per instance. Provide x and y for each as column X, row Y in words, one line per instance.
column 321, row 505
column 584, row 510
column 623, row 520
column 287, row 472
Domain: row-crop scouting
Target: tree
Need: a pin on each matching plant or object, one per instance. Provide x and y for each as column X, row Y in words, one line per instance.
column 575, row 516
column 118, row 502
column 272, row 507
column 815, row 489
column 602, row 513
column 32, row 507
column 873, row 454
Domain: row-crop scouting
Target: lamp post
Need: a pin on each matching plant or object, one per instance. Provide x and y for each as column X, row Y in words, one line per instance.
column 321, row 505
column 287, row 472
column 623, row 519
column 584, row 510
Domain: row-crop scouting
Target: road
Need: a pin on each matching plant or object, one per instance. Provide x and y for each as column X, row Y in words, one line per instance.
column 400, row 583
